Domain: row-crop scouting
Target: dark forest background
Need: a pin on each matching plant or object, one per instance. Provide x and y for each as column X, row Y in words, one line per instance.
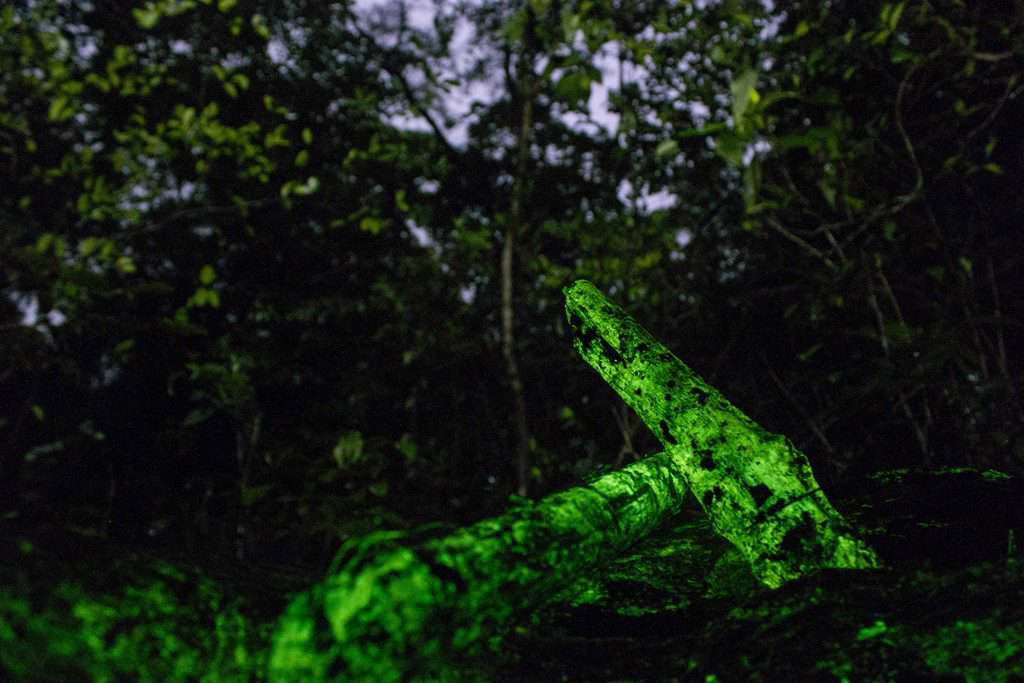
column 247, row 312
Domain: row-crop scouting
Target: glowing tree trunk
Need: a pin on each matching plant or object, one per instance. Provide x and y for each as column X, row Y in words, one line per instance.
column 397, row 610
column 757, row 489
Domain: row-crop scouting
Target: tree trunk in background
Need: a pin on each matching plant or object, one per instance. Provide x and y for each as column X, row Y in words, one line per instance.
column 756, row 487
column 525, row 91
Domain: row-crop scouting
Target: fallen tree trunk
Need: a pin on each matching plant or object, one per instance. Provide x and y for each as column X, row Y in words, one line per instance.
column 397, row 611
column 756, row 487
column 681, row 604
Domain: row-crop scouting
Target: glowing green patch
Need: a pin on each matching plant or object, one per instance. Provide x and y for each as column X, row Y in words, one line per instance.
column 978, row 651
column 756, row 487
column 398, row 610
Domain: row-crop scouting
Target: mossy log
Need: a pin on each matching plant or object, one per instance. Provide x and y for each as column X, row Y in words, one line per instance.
column 756, row 487
column 396, row 609
column 948, row 606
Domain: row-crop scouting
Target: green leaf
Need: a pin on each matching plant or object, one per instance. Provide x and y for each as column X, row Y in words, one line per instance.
column 698, row 132
column 372, row 225
column 828, row 192
column 900, row 333
column 407, row 447
column 125, row 264
column 307, row 136
column 59, row 109
column 573, row 87
column 226, row 5
column 207, row 275
column 276, row 138
column 88, row 245
column 254, row 494
column 147, row 16
column 667, row 148
column 895, row 14
column 349, row 450
column 311, row 185
column 730, row 147
column 876, row 629
column 205, row 297
column 259, row 24
column 400, row 202
column 807, row 353
column 743, row 93
column 197, row 416
column 751, row 183
column 125, row 346
column 801, row 29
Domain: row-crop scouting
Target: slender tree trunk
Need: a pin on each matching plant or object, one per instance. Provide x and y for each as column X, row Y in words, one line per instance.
column 513, row 226
column 247, row 434
column 11, row 458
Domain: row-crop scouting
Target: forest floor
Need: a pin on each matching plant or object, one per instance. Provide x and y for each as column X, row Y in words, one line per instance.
column 680, row 605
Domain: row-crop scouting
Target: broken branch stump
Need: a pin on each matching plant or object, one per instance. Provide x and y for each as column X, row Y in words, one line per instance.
column 756, row 487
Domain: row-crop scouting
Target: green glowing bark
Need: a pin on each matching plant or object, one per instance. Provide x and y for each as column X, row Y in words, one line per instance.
column 400, row 610
column 757, row 489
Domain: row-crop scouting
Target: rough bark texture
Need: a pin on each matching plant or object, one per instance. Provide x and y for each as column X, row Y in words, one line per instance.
column 757, row 489
column 395, row 609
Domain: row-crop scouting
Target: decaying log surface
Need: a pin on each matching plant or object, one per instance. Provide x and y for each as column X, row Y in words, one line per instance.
column 396, row 609
column 681, row 604
column 756, row 487
column 399, row 610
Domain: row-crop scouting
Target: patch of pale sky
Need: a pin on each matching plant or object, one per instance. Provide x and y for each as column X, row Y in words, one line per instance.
column 456, row 106
column 419, row 233
column 28, row 305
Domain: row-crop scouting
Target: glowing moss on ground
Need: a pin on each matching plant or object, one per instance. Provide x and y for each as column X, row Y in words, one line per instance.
column 126, row 619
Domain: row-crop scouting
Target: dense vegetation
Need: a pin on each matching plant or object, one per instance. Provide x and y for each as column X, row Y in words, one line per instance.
column 265, row 287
